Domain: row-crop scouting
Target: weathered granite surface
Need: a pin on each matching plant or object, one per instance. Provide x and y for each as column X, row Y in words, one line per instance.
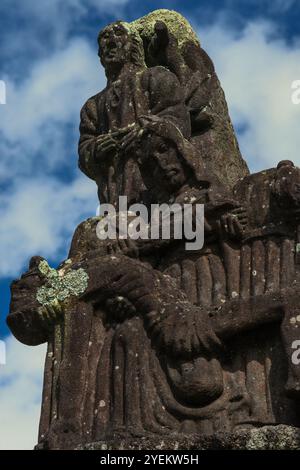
column 279, row 437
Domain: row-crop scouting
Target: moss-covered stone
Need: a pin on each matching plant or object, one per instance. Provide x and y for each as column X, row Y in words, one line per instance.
column 176, row 23
column 60, row 284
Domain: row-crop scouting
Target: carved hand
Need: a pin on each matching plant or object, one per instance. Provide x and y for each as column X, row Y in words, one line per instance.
column 111, row 276
column 106, row 146
column 130, row 138
column 127, row 247
column 232, row 225
column 27, row 320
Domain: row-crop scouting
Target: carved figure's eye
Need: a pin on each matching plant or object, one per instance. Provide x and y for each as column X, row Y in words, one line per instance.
column 162, row 148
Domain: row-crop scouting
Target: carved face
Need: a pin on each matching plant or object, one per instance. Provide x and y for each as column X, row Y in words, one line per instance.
column 162, row 166
column 114, row 45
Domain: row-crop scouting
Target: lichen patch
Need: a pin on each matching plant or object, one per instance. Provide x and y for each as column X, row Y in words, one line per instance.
column 176, row 23
column 60, row 284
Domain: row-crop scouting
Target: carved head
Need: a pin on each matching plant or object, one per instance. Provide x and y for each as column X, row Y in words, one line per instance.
column 161, row 164
column 167, row 160
column 286, row 185
column 119, row 45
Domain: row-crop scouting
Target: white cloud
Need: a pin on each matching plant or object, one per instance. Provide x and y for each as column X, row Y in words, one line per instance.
column 39, row 218
column 265, row 6
column 39, row 211
column 32, row 122
column 257, row 70
column 20, row 395
column 44, row 10
column 52, row 21
column 53, row 90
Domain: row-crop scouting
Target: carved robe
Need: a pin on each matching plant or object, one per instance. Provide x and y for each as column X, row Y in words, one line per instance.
column 137, row 92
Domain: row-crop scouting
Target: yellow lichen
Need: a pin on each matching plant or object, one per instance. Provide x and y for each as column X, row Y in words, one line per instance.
column 176, row 23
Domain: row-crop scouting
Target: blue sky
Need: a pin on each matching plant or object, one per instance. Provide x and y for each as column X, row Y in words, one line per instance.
column 48, row 58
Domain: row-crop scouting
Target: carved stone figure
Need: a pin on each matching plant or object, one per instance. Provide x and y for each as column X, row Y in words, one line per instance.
column 111, row 120
column 147, row 338
column 170, row 41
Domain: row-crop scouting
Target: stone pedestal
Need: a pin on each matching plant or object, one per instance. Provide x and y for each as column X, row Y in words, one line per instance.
column 279, row 437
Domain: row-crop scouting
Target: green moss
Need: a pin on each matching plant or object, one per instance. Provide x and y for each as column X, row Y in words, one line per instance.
column 60, row 284
column 176, row 23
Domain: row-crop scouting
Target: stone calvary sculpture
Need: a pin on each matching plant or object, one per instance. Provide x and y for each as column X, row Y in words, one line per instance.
column 151, row 344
